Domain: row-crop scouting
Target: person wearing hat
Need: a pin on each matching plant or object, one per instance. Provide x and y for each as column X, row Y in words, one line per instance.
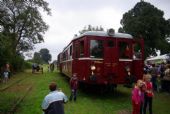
column 53, row 102
column 74, row 87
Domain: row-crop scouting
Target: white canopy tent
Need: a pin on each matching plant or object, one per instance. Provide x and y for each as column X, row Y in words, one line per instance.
column 158, row 59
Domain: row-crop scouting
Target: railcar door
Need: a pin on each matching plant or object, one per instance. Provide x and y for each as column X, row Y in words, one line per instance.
column 110, row 61
column 138, row 64
column 125, row 59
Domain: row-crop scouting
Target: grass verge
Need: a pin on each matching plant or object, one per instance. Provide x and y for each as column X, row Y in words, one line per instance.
column 87, row 102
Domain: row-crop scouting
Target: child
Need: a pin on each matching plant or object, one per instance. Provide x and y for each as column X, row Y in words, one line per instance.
column 148, row 94
column 5, row 74
column 159, row 83
column 74, row 87
column 142, row 88
column 136, row 97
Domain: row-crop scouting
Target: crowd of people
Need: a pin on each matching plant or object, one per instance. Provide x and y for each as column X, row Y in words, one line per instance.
column 160, row 76
column 156, row 78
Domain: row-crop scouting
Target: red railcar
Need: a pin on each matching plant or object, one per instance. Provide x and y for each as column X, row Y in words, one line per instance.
column 99, row 57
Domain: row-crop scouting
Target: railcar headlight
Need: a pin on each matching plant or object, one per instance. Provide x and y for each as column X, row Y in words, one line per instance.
column 93, row 67
column 128, row 70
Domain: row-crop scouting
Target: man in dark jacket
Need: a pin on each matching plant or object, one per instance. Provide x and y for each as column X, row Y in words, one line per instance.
column 53, row 102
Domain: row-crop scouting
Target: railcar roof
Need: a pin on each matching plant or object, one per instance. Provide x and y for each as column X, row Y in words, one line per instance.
column 105, row 34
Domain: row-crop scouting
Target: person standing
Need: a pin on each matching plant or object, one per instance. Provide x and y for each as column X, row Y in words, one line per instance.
column 148, row 95
column 7, row 68
column 52, row 67
column 154, row 73
column 53, row 102
column 49, row 68
column 136, row 97
column 6, row 76
column 142, row 88
column 74, row 87
column 41, row 68
column 166, row 79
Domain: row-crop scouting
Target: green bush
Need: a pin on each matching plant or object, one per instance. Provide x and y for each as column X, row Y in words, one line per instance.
column 17, row 63
column 27, row 65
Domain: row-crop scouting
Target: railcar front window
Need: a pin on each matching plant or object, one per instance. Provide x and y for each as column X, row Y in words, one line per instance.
column 110, row 43
column 124, row 50
column 96, row 48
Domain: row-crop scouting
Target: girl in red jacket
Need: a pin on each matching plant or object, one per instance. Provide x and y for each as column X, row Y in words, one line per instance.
column 148, row 94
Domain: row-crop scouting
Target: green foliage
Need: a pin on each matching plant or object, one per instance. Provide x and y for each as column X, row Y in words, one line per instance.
column 21, row 26
column 5, row 49
column 22, row 22
column 37, row 58
column 45, row 55
column 147, row 21
column 17, row 63
column 27, row 65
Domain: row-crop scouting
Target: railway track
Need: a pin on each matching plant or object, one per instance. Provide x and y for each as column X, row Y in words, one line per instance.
column 15, row 105
column 7, row 87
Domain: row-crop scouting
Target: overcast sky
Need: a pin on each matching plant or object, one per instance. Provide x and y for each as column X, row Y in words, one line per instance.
column 70, row 16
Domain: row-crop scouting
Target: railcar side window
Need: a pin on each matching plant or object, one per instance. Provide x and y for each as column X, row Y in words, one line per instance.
column 124, row 50
column 137, row 51
column 96, row 48
column 110, row 43
column 64, row 56
column 82, row 49
column 76, row 51
column 71, row 50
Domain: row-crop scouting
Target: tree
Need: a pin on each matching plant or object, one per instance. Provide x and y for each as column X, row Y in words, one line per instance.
column 16, row 62
column 37, row 58
column 22, row 22
column 147, row 21
column 45, row 55
column 4, row 49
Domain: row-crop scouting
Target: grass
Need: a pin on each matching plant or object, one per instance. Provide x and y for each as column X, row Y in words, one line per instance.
column 87, row 102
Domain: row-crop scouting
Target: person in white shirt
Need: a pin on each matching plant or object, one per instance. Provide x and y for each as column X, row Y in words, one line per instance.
column 53, row 102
